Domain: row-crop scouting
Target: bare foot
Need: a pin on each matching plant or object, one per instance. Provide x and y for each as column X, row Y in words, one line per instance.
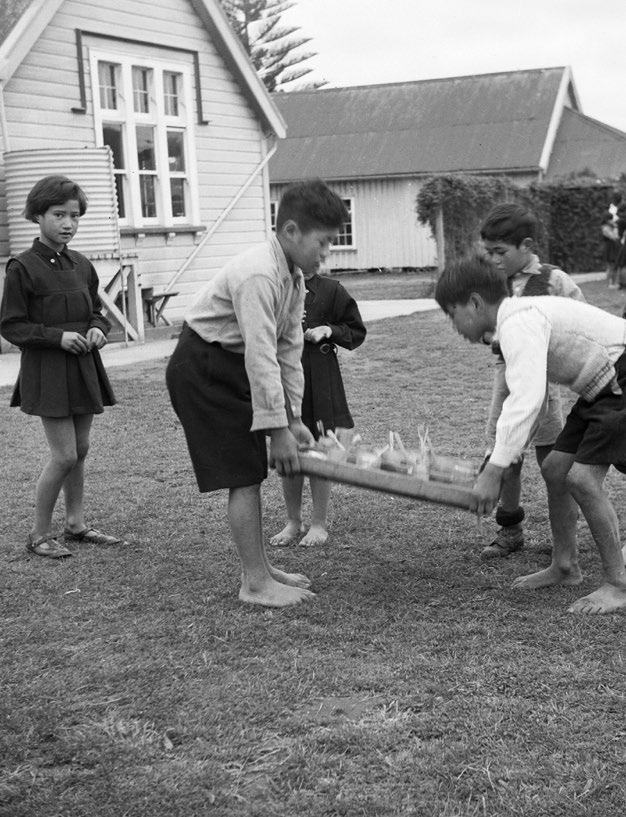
column 546, row 578
column 292, row 579
column 317, row 535
column 275, row 594
column 606, row 599
column 290, row 532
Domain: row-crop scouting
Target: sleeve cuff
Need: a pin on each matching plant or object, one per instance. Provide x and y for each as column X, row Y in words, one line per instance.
column 265, row 419
column 502, row 456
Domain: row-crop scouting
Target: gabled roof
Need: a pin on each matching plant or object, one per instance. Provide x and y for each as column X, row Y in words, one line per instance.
column 583, row 143
column 23, row 21
column 489, row 123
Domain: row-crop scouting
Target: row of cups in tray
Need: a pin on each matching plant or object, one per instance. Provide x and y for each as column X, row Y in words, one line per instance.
column 422, row 464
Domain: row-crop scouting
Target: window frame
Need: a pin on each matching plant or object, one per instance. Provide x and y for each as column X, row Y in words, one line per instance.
column 273, row 213
column 162, row 123
column 336, row 247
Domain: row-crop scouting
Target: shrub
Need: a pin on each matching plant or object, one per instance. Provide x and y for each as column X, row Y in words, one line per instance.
column 569, row 213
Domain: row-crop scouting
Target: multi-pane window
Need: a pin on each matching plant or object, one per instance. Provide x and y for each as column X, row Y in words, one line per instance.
column 346, row 234
column 146, row 162
column 171, row 92
column 273, row 214
column 144, row 116
column 141, row 89
column 108, row 83
column 178, row 171
column 112, row 136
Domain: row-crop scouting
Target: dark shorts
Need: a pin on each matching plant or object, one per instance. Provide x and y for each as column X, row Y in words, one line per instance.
column 210, row 393
column 596, row 432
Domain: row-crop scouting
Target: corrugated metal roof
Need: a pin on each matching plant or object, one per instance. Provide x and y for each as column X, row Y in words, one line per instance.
column 492, row 122
column 584, row 143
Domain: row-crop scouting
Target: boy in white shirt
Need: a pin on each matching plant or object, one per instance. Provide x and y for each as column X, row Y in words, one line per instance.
column 542, row 340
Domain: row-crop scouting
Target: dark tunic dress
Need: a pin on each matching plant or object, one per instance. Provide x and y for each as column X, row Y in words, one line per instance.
column 327, row 303
column 45, row 294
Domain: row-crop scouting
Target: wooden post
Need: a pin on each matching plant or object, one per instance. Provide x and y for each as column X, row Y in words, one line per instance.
column 440, row 241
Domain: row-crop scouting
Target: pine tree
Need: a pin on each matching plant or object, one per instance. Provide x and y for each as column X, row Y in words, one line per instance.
column 275, row 53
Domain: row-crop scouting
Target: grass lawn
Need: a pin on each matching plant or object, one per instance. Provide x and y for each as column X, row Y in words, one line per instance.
column 134, row 684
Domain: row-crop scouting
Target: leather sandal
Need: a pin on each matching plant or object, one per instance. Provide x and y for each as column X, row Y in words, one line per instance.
column 91, row 536
column 47, row 546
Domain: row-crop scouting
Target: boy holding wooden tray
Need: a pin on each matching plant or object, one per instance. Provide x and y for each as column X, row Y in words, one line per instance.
column 236, row 376
column 564, row 341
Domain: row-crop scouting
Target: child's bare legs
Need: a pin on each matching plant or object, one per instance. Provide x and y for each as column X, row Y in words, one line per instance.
column 74, row 485
column 586, row 484
column 320, row 495
column 68, row 440
column 292, row 491
column 563, row 513
column 260, row 582
column 293, row 579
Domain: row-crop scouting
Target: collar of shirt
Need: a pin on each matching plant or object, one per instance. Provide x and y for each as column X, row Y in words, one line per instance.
column 311, row 283
column 63, row 258
column 518, row 281
column 283, row 266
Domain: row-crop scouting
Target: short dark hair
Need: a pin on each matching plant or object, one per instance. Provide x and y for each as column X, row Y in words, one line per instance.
column 471, row 273
column 312, row 205
column 50, row 191
column 511, row 223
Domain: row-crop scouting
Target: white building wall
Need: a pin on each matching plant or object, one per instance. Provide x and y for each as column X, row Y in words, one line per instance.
column 387, row 233
column 39, row 97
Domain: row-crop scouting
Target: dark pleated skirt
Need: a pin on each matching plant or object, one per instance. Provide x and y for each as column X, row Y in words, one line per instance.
column 54, row 383
column 210, row 393
column 324, row 398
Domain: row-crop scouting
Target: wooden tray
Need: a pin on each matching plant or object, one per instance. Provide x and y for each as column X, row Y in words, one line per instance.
column 388, row 482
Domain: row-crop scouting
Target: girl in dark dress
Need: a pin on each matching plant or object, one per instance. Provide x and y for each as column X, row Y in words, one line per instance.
column 51, row 310
column 331, row 319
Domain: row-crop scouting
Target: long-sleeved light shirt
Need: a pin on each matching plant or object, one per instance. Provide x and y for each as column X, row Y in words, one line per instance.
column 559, row 283
column 545, row 339
column 254, row 307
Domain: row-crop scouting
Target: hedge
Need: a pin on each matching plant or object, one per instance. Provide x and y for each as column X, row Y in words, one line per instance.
column 569, row 212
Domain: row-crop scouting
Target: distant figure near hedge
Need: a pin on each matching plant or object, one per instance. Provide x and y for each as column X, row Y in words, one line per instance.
column 611, row 247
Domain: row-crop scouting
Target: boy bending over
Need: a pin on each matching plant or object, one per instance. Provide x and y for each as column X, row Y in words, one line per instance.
column 236, row 376
column 509, row 234
column 563, row 341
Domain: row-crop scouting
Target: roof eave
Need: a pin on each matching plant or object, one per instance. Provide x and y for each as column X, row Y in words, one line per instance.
column 232, row 52
column 418, row 174
column 565, row 86
column 25, row 34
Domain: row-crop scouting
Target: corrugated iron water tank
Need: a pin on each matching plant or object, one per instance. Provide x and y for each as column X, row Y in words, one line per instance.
column 92, row 169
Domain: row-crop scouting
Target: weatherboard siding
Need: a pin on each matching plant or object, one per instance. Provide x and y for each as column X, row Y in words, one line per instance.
column 387, row 233
column 38, row 101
